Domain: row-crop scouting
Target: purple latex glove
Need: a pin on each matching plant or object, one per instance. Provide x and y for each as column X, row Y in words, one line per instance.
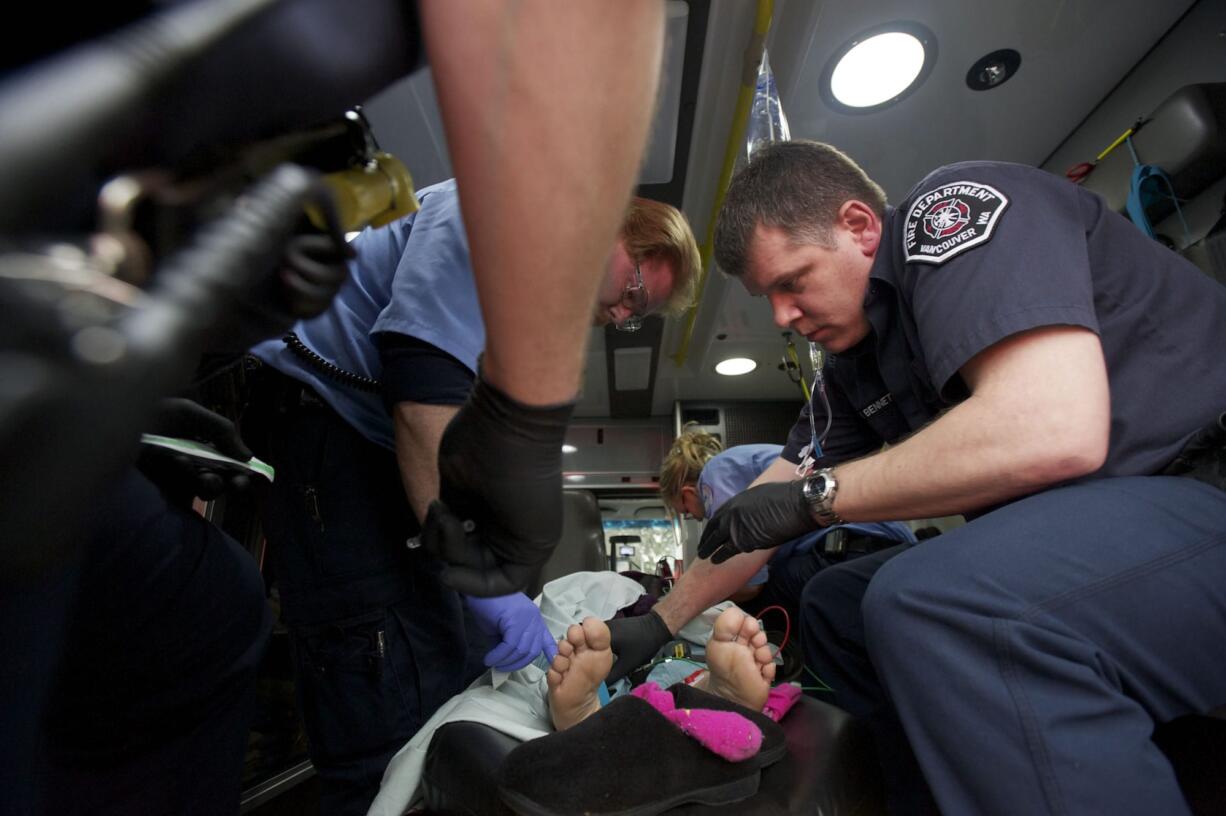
column 516, row 620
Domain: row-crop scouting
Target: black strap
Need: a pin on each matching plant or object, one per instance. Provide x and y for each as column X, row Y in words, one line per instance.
column 844, row 543
column 1203, row 457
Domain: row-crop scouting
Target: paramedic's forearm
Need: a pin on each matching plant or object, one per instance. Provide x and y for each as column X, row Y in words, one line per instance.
column 418, row 429
column 704, row 584
column 1039, row 414
column 545, row 164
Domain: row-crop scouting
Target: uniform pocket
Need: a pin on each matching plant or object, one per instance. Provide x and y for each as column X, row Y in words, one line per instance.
column 352, row 703
column 429, row 628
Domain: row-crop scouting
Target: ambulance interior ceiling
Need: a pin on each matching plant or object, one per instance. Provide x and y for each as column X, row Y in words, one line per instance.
column 1088, row 70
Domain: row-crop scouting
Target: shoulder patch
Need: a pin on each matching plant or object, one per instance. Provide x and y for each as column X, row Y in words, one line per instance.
column 949, row 219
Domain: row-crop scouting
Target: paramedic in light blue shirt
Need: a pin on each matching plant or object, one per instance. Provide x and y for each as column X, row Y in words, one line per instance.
column 350, row 408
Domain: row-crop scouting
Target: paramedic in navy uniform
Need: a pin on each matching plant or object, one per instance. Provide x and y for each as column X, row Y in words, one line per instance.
column 351, row 416
column 1035, row 362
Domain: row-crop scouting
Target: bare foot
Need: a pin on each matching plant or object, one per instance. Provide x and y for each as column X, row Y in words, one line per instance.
column 583, row 661
column 741, row 668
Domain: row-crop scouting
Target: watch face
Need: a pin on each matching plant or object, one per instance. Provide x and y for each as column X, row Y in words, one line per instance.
column 819, row 492
column 819, row 488
column 815, row 488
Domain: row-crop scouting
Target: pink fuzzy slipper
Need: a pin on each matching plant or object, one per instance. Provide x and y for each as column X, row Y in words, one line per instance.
column 725, row 733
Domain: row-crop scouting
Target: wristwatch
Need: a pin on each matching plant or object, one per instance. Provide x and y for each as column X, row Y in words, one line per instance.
column 819, row 491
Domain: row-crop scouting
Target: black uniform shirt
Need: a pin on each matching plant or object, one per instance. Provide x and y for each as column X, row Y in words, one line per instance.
column 980, row 251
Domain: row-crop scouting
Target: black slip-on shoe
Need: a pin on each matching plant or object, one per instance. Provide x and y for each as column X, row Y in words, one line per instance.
column 774, row 746
column 624, row 760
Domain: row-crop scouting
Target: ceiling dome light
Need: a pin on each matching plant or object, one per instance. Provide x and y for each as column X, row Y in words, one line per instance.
column 569, row 449
column 879, row 67
column 734, row 366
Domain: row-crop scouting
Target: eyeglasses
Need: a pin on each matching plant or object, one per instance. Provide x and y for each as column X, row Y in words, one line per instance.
column 635, row 297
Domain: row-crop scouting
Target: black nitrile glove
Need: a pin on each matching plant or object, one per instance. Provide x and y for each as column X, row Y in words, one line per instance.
column 760, row 518
column 309, row 274
column 635, row 642
column 269, row 265
column 499, row 516
column 313, row 270
column 181, row 476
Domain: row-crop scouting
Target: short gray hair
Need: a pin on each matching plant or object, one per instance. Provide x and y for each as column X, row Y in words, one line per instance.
column 797, row 186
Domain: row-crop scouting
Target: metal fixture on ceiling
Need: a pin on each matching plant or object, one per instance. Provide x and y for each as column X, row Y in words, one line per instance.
column 993, row 70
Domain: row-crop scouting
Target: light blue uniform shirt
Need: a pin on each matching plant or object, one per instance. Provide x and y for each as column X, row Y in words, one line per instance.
column 411, row 277
column 731, row 471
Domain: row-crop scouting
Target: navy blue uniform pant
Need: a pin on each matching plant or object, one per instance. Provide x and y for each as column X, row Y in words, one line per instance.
column 34, row 614
column 789, row 576
column 786, row 583
column 1028, row 655
column 151, row 690
column 378, row 640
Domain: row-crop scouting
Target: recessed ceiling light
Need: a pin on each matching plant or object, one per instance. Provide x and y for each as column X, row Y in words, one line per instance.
column 569, row 449
column 879, row 67
column 734, row 366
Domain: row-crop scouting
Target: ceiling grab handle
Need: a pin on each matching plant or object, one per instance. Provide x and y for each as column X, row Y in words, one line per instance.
column 753, row 62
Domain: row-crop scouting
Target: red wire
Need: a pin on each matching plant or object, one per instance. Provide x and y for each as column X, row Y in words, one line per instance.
column 787, row 622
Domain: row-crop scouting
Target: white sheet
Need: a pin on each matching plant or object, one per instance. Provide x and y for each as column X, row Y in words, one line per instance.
column 515, row 703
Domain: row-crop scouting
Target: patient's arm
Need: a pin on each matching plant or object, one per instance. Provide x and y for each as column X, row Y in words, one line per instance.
column 705, row 584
